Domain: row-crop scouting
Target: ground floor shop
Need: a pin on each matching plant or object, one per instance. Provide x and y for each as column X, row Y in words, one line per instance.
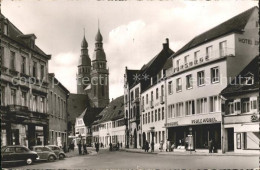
column 57, row 137
column 19, row 126
column 155, row 136
column 202, row 135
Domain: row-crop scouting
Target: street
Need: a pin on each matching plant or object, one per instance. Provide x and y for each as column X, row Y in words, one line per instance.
column 127, row 160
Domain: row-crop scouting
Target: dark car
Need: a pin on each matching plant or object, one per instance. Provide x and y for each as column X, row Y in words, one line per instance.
column 18, row 153
column 45, row 153
column 58, row 151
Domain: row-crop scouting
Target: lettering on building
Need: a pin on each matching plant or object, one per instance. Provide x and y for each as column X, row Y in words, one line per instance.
column 248, row 41
column 171, row 124
column 205, row 120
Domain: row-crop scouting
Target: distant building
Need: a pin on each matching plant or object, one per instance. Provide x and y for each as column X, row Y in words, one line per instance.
column 110, row 126
column 241, row 111
column 24, row 88
column 58, row 111
column 138, row 83
column 200, row 70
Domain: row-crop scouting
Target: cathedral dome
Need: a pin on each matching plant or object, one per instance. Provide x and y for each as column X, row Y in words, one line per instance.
column 99, row 37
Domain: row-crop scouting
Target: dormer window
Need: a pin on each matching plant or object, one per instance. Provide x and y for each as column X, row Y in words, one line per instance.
column 248, row 79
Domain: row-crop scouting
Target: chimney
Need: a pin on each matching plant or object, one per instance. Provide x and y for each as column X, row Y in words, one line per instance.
column 166, row 45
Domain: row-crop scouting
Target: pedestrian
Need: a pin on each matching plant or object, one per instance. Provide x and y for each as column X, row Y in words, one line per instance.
column 172, row 147
column 79, row 146
column 213, row 146
column 146, row 146
column 168, row 146
column 85, row 147
column 110, row 146
column 117, row 146
column 97, row 147
column 121, row 144
column 161, row 145
column 210, row 146
column 64, row 147
column 152, row 146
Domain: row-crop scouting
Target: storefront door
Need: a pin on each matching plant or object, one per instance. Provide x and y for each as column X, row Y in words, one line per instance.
column 230, row 138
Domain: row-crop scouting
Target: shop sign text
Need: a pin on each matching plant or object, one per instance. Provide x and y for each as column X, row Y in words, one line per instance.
column 205, row 120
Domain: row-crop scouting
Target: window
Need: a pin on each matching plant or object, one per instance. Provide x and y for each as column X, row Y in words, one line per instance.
column 157, row 93
column 202, row 105
column 237, row 105
column 2, row 55
column 34, row 98
column 251, row 140
column 162, row 113
column 34, row 69
column 189, row 81
column 214, row 104
column 146, row 98
column 23, row 65
column 201, row 78
column 23, row 99
column 196, row 55
column 155, row 116
column 190, row 107
column 214, row 75
column 178, row 84
column 178, row 63
column 162, row 90
column 209, row 51
column 159, row 114
column 42, row 72
column 143, row 119
column 13, row 96
column 21, row 150
column 152, row 116
column 103, row 88
column 231, row 108
column 149, row 117
column 223, row 48
column 186, row 59
column 132, row 95
column 253, row 103
column 2, row 96
column 171, row 111
column 245, row 105
column 170, row 87
column 9, row 150
column 136, row 92
column 12, row 60
column 179, row 109
column 146, row 118
column 151, row 95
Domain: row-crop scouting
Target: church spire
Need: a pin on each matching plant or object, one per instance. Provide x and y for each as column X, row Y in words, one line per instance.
column 84, row 43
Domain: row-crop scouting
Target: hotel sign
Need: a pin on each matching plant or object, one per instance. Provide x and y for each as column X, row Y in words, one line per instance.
column 205, row 120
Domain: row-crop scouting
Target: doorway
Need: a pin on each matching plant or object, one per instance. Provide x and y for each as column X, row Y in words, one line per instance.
column 230, row 139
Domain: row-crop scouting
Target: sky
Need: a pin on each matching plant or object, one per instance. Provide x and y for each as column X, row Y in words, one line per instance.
column 133, row 31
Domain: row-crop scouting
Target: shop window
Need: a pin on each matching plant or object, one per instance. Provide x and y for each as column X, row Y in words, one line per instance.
column 190, row 107
column 245, row 105
column 214, row 104
column 251, row 140
column 170, row 87
column 201, row 78
column 202, row 105
column 214, row 75
column 189, row 81
column 178, row 85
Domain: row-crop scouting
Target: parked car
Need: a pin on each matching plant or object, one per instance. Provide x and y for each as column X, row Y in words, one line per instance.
column 45, row 153
column 18, row 153
column 58, row 151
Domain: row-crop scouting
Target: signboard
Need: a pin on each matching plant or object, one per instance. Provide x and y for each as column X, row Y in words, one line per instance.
column 205, row 120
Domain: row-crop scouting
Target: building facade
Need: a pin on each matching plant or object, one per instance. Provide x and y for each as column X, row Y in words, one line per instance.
column 24, row 88
column 58, row 112
column 200, row 71
column 241, row 111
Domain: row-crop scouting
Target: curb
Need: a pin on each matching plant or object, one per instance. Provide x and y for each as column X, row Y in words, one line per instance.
column 155, row 153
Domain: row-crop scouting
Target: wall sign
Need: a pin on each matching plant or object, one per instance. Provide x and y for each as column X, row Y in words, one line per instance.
column 255, row 117
column 205, row 120
column 248, row 41
column 171, row 124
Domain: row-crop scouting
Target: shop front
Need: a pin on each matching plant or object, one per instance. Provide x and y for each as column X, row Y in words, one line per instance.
column 19, row 126
column 197, row 132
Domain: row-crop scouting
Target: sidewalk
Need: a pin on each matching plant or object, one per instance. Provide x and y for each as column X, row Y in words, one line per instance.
column 188, row 153
column 74, row 153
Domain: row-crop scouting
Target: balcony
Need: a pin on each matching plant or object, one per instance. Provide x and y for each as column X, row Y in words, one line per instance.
column 162, row 99
column 151, row 104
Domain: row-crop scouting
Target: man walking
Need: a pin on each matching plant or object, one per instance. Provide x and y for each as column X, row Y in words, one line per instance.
column 152, row 146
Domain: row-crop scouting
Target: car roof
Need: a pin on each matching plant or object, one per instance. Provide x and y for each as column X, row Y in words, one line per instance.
column 14, row 146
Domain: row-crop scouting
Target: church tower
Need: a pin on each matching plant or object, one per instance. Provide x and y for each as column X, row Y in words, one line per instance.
column 84, row 68
column 99, row 75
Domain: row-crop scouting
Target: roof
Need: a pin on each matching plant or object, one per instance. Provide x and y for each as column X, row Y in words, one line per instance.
column 168, row 63
column 90, row 115
column 77, row 103
column 16, row 35
column 114, row 111
column 235, row 24
column 238, row 83
column 152, row 68
column 57, row 82
column 130, row 76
